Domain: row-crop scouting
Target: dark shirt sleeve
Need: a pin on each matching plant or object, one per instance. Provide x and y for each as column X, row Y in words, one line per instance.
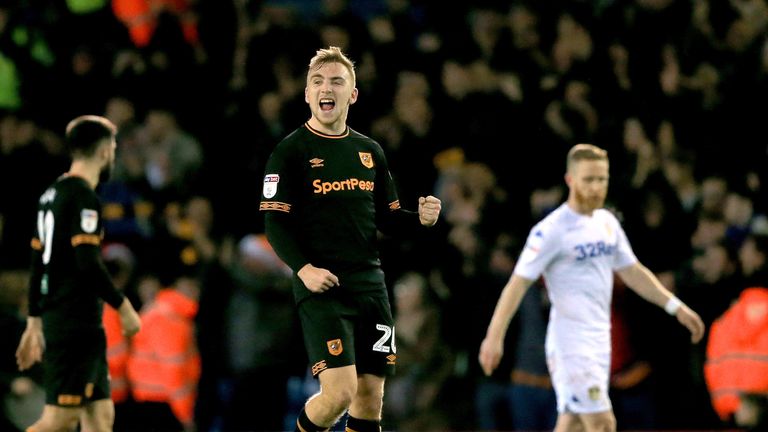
column 91, row 266
column 277, row 200
column 283, row 241
column 85, row 228
column 36, row 269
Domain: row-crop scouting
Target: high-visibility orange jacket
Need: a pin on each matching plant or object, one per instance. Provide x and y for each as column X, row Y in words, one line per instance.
column 140, row 16
column 737, row 352
column 117, row 354
column 164, row 364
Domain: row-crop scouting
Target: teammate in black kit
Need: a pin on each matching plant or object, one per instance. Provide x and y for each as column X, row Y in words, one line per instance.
column 69, row 282
column 326, row 191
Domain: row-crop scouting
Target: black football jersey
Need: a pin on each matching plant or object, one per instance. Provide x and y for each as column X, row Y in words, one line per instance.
column 335, row 188
column 67, row 292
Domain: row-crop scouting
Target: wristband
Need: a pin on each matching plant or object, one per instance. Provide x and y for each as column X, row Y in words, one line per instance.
column 673, row 304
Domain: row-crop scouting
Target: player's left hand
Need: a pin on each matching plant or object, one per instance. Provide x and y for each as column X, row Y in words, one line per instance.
column 692, row 321
column 429, row 210
column 31, row 346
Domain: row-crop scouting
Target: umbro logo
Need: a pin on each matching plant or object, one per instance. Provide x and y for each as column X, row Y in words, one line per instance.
column 316, row 162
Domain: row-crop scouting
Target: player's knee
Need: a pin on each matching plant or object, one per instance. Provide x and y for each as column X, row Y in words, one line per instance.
column 341, row 395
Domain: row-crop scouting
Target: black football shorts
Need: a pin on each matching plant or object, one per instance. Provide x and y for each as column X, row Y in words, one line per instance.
column 75, row 370
column 343, row 328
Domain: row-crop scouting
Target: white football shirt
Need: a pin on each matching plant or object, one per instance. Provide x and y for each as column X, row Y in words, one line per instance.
column 577, row 255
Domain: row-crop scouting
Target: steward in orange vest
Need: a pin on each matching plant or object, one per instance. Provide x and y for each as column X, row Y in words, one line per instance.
column 117, row 355
column 141, row 18
column 737, row 352
column 164, row 364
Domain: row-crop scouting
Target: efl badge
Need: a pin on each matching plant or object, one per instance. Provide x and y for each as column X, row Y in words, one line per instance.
column 270, row 185
column 334, row 347
column 89, row 219
column 366, row 159
column 594, row 393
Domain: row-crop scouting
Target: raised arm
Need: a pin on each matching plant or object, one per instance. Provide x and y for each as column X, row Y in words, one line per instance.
column 647, row 285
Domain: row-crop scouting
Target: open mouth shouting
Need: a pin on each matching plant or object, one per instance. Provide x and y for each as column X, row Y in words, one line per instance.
column 327, row 104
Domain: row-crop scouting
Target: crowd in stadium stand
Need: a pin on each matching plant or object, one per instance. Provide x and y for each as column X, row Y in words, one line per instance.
column 474, row 102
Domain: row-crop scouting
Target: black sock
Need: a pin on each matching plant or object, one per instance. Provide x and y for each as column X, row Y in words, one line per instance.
column 360, row 425
column 304, row 424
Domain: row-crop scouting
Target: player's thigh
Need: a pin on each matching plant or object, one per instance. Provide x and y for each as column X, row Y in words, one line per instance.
column 375, row 346
column 339, row 383
column 59, row 418
column 599, row 422
column 327, row 324
column 568, row 422
column 98, row 416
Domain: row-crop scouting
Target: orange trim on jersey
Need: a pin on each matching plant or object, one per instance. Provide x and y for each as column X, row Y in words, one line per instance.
column 320, row 134
column 394, row 205
column 91, row 239
column 275, row 205
column 36, row 244
column 319, row 367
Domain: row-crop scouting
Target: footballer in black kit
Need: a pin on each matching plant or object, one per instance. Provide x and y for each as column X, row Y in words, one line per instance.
column 68, row 287
column 340, row 189
column 71, row 282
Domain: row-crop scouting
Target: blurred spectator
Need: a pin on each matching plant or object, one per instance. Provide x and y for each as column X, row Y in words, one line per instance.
column 413, row 395
column 631, row 381
column 164, row 364
column 753, row 257
column 736, row 352
column 262, row 345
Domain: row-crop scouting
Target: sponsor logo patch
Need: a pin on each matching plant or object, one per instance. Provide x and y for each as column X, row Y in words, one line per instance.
column 270, row 185
column 89, row 220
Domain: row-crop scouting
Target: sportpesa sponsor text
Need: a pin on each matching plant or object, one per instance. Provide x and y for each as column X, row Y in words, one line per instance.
column 321, row 187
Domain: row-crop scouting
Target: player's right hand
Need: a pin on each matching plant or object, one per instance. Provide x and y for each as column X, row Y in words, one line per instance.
column 129, row 319
column 31, row 346
column 491, row 351
column 317, row 279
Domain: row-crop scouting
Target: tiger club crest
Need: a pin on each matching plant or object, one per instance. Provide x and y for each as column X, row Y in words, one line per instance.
column 335, row 347
column 366, row 159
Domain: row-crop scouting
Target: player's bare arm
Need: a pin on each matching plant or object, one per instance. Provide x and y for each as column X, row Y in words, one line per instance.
column 32, row 344
column 492, row 347
column 429, row 210
column 647, row 285
column 317, row 279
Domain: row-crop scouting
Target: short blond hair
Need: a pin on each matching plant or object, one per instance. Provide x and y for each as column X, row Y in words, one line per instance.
column 581, row 152
column 332, row 55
